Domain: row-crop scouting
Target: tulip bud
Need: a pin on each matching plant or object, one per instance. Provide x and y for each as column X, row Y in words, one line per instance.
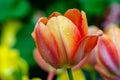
column 63, row 40
column 107, row 58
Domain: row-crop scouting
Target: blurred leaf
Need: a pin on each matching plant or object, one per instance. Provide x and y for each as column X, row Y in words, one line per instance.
column 93, row 7
column 25, row 43
column 60, row 7
column 4, row 14
column 21, row 9
column 13, row 9
column 23, row 66
column 6, row 4
column 112, row 1
column 10, row 29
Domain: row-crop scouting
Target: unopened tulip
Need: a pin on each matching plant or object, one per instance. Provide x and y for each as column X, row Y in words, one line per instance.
column 63, row 40
column 108, row 57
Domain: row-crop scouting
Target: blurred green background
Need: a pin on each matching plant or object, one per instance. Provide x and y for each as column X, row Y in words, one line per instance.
column 18, row 18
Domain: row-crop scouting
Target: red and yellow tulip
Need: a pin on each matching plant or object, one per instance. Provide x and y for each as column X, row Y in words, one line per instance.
column 108, row 58
column 63, row 40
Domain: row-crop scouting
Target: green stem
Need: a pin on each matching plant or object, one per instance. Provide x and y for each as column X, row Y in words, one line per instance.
column 69, row 71
column 93, row 75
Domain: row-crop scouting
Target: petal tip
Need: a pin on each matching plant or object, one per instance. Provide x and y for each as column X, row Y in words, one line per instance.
column 54, row 14
column 44, row 20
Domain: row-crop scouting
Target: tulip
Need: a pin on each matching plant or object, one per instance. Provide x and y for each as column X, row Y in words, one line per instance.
column 108, row 57
column 63, row 40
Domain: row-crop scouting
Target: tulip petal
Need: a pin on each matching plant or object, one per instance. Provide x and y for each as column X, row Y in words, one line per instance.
column 102, row 71
column 81, row 63
column 84, row 23
column 113, row 32
column 75, row 16
column 79, row 19
column 54, row 28
column 43, row 20
column 70, row 34
column 41, row 61
column 92, row 29
column 82, row 54
column 54, row 14
column 108, row 55
column 46, row 45
column 85, row 47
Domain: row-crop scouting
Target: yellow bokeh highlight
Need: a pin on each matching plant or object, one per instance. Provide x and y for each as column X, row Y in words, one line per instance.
column 77, row 75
